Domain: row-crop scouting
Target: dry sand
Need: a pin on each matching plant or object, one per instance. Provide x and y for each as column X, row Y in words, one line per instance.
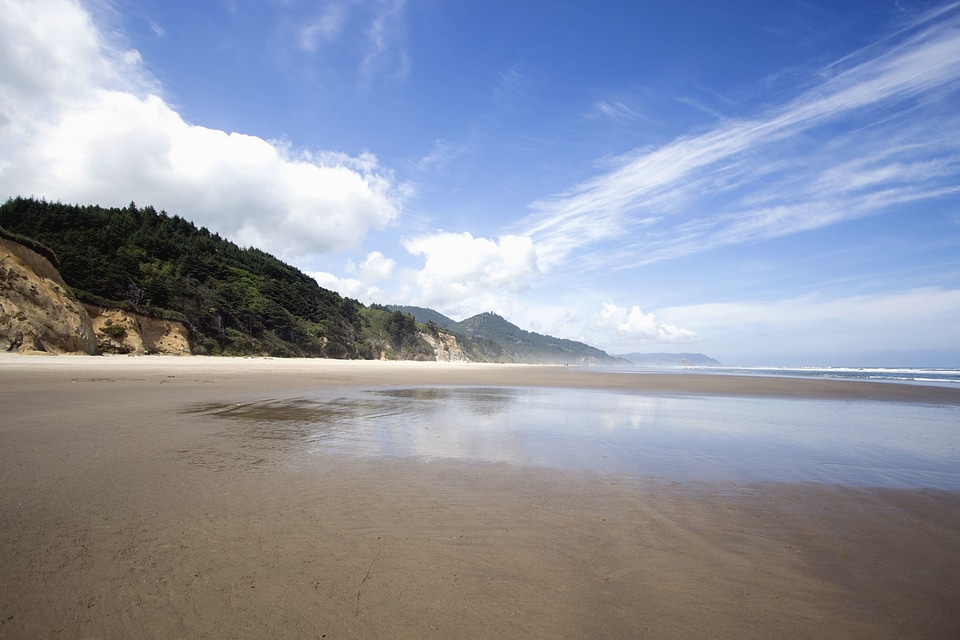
column 123, row 516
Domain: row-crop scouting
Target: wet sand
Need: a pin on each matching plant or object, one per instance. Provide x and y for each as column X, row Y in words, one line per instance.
column 123, row 515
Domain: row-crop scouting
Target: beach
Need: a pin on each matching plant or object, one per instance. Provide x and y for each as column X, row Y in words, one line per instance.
column 164, row 497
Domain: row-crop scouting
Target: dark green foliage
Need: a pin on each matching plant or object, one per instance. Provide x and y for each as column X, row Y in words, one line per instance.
column 517, row 345
column 244, row 301
column 115, row 331
column 33, row 245
column 423, row 315
column 401, row 328
column 237, row 301
column 489, row 338
column 394, row 335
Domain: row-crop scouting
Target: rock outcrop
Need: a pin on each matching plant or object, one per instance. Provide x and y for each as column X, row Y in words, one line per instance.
column 445, row 347
column 38, row 312
column 121, row 331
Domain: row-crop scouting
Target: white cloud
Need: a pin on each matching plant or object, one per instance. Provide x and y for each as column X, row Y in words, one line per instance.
column 461, row 268
column 51, row 53
column 376, row 267
column 918, row 319
column 369, row 33
column 623, row 327
column 158, row 31
column 385, row 36
column 614, row 110
column 442, row 153
column 323, row 28
column 873, row 126
column 347, row 287
column 809, row 329
column 80, row 125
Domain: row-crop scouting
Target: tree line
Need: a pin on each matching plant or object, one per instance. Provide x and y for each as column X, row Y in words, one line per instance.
column 235, row 300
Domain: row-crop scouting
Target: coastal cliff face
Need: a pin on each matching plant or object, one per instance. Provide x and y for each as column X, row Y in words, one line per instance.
column 38, row 313
column 445, row 347
column 120, row 331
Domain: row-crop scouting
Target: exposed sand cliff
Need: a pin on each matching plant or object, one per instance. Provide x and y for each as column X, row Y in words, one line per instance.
column 445, row 347
column 39, row 313
column 121, row 331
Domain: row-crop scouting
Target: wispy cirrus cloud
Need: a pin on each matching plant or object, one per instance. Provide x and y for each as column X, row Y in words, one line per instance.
column 371, row 33
column 866, row 136
column 326, row 26
column 440, row 156
column 385, row 51
column 614, row 110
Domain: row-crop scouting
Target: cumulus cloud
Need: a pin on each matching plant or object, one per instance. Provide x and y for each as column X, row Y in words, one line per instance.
column 460, row 267
column 376, row 267
column 372, row 271
column 82, row 122
column 51, row 53
column 347, row 287
column 624, row 327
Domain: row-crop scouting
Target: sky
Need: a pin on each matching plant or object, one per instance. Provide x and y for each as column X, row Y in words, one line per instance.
column 768, row 183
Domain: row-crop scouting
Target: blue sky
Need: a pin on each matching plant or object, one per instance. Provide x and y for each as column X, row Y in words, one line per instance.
column 767, row 183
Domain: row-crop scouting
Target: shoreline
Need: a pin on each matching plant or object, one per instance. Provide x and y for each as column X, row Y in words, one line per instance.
column 290, row 374
column 124, row 514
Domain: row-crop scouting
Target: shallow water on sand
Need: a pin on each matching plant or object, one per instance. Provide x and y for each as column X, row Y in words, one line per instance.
column 686, row 438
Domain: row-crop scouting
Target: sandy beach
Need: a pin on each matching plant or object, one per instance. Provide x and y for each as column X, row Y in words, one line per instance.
column 125, row 512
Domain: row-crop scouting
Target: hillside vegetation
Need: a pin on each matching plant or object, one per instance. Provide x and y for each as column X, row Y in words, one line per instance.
column 235, row 300
column 243, row 301
column 487, row 337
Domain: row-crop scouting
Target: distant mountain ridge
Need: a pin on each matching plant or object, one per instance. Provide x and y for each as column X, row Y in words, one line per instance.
column 133, row 265
column 489, row 337
column 670, row 359
column 424, row 315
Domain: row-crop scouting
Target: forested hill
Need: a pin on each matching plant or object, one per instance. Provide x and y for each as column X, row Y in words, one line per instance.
column 527, row 346
column 424, row 315
column 242, row 301
column 490, row 337
column 236, row 300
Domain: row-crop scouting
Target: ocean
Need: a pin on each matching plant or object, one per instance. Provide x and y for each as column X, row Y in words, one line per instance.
column 935, row 376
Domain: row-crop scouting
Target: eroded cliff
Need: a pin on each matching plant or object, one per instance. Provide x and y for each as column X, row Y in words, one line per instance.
column 38, row 313
column 445, row 347
column 121, row 331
